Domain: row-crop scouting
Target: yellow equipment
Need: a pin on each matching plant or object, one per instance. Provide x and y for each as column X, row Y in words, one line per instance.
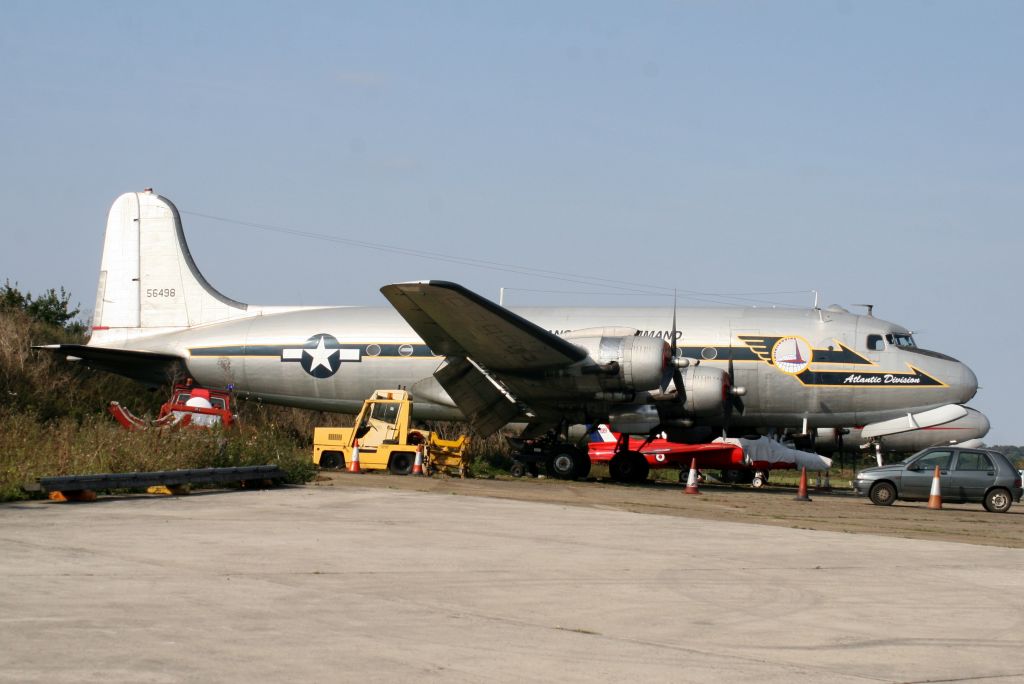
column 387, row 441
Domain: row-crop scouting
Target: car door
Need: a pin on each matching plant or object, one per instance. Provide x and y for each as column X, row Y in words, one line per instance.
column 916, row 481
column 971, row 476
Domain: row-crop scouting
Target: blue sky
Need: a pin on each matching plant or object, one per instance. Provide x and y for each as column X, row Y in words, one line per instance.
column 871, row 151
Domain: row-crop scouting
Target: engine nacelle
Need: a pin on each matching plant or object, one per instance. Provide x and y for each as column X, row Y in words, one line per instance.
column 705, row 394
column 706, row 391
column 625, row 362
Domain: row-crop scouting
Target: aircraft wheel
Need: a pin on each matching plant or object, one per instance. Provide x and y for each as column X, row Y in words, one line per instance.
column 401, row 463
column 642, row 467
column 629, row 466
column 757, row 482
column 330, row 459
column 882, row 494
column 582, row 466
column 517, row 469
column 563, row 462
column 998, row 501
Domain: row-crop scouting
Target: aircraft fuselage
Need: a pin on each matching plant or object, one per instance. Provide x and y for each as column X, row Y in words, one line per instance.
column 832, row 367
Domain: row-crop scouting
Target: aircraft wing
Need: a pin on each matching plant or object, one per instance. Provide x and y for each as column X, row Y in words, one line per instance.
column 147, row 367
column 454, row 321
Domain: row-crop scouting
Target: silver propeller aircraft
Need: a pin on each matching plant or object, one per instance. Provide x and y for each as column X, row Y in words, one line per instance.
column 738, row 370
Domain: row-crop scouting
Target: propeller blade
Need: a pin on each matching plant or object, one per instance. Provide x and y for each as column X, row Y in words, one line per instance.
column 735, row 402
column 672, row 371
column 672, row 341
column 667, row 375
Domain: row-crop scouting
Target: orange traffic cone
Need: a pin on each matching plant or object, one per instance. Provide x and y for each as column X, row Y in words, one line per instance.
column 935, row 496
column 691, row 480
column 417, row 468
column 354, row 467
column 801, row 493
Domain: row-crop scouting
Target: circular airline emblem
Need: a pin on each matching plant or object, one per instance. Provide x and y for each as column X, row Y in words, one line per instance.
column 792, row 354
column 660, row 458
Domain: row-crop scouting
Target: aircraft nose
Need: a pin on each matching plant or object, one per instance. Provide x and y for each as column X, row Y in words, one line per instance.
column 983, row 424
column 968, row 385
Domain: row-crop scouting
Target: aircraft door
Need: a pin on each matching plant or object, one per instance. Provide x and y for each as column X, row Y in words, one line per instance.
column 869, row 344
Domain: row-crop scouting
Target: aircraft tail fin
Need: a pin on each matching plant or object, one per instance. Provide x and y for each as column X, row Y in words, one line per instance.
column 148, row 281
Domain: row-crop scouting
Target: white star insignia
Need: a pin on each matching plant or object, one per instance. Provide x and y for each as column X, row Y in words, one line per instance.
column 321, row 356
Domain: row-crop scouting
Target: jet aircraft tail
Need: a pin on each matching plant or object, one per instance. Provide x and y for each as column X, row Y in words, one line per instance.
column 601, row 434
column 148, row 282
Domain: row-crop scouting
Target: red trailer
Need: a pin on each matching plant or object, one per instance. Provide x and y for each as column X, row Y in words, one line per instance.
column 189, row 405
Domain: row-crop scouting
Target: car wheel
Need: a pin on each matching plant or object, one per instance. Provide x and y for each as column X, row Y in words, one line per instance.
column 517, row 469
column 882, row 494
column 401, row 463
column 998, row 501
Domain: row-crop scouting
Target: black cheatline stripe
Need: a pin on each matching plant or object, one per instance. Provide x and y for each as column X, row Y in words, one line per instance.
column 722, row 353
column 418, row 350
column 869, row 379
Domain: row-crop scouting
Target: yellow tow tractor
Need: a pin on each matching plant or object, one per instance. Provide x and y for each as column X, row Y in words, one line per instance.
column 387, row 441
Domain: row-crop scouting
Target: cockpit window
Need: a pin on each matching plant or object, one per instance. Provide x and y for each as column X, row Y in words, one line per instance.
column 901, row 340
column 875, row 343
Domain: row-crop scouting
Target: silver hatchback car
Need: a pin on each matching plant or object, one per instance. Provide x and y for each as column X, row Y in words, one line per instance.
column 966, row 476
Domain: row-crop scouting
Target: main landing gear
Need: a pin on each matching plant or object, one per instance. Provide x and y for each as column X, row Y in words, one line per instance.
column 629, row 466
column 560, row 459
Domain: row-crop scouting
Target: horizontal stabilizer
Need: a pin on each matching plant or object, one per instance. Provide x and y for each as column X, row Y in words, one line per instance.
column 914, row 421
column 146, row 367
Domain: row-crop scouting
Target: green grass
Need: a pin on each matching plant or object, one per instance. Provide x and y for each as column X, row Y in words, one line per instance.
column 30, row 449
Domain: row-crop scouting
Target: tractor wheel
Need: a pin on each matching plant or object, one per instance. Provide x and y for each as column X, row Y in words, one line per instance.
column 330, row 459
column 401, row 463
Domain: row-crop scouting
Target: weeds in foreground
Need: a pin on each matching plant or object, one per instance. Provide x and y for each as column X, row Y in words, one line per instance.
column 30, row 449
